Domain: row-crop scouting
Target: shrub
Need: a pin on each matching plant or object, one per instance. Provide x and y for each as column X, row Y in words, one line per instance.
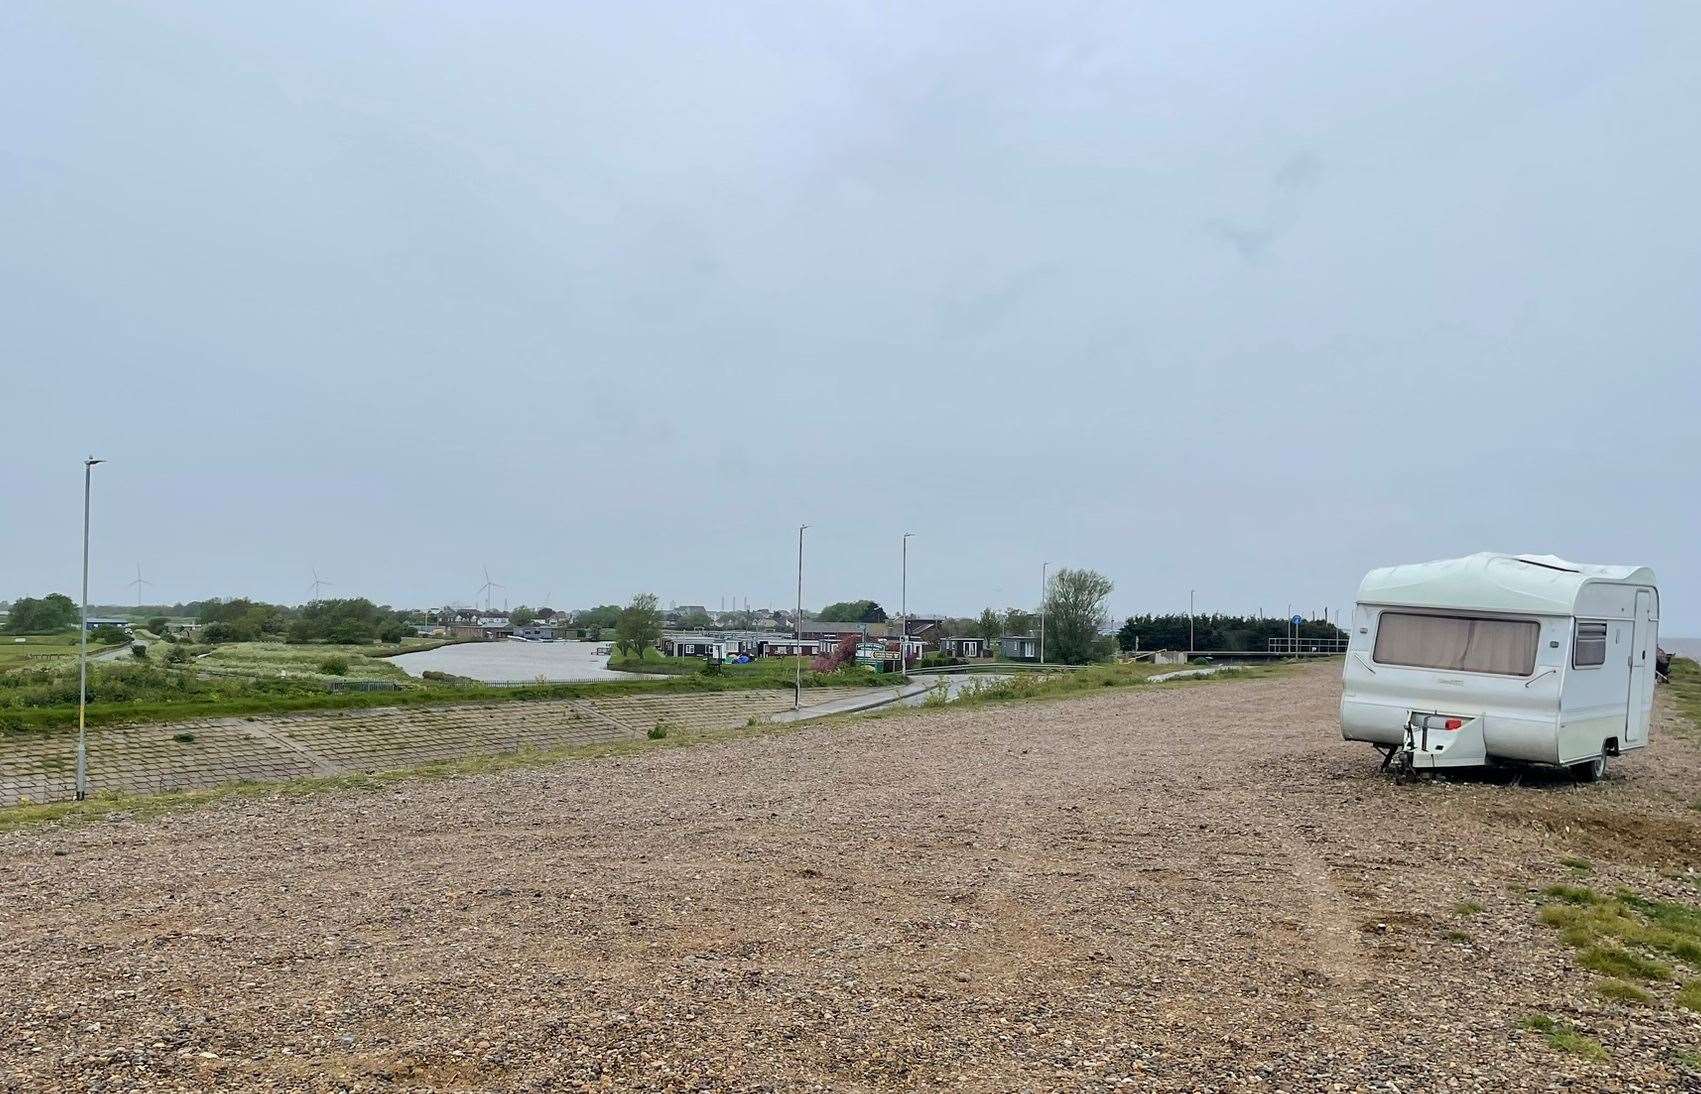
column 393, row 633
column 659, row 731
column 109, row 636
column 185, row 737
column 139, row 650
column 159, row 624
column 334, row 666
column 176, row 655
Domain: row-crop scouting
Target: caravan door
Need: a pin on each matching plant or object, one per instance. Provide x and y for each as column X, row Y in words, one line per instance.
column 1640, row 700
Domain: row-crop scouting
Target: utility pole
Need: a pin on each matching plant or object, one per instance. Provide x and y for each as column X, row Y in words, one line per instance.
column 1043, row 567
column 797, row 622
column 904, row 608
column 1189, row 620
column 83, row 644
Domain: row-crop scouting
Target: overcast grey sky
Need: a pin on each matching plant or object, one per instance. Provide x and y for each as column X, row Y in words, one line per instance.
column 1245, row 298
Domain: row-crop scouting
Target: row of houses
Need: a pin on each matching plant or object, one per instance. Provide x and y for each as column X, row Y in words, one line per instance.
column 816, row 638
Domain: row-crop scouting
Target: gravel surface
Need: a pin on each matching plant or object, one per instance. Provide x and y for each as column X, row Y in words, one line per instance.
column 1184, row 887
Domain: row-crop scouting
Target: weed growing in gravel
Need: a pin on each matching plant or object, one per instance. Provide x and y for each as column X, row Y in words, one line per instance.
column 659, row 731
column 1691, row 1060
column 1598, row 927
column 184, row 738
column 1571, row 894
column 1457, row 936
column 1467, row 907
column 1581, row 865
column 1689, row 998
column 1613, row 961
column 1564, row 1038
column 1622, row 991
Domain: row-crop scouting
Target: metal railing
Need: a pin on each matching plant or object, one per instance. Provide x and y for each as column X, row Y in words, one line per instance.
column 1306, row 645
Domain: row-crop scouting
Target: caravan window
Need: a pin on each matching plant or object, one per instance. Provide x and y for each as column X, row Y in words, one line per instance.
column 1590, row 646
column 1457, row 643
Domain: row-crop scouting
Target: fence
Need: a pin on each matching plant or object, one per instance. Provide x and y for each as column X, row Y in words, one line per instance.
column 1306, row 645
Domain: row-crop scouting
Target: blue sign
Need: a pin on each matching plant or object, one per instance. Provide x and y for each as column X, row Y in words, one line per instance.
column 1297, row 620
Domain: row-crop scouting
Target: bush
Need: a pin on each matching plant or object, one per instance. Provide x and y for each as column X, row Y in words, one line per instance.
column 109, row 636
column 176, row 655
column 393, row 633
column 159, row 624
column 658, row 731
column 139, row 650
column 334, row 666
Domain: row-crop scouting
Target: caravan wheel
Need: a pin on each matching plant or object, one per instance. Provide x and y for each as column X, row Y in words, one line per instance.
column 1591, row 771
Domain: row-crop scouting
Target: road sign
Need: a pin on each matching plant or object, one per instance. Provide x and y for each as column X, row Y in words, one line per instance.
column 1297, row 620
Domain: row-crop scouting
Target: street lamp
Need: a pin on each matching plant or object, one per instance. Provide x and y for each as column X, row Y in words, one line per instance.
column 83, row 643
column 797, row 623
column 1043, row 583
column 1189, row 620
column 904, row 608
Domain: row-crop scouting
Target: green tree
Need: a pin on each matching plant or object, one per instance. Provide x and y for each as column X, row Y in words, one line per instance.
column 53, row 612
column 1017, row 621
column 640, row 625
column 522, row 616
column 852, row 611
column 990, row 626
column 695, row 620
column 159, row 624
column 1075, row 615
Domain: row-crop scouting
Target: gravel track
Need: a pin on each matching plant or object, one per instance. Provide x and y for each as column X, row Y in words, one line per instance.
column 1186, row 887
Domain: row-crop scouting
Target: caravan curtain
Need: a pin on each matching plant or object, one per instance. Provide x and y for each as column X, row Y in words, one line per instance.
column 1457, row 643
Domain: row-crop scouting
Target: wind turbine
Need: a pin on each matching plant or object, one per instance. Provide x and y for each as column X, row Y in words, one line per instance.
column 318, row 583
column 488, row 587
column 137, row 584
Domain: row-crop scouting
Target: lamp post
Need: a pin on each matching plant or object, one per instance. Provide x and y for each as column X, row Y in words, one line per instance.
column 797, row 623
column 1043, row 568
column 904, row 607
column 83, row 643
column 1189, row 620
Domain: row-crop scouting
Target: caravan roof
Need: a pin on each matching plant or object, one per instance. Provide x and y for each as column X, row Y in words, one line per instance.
column 1488, row 581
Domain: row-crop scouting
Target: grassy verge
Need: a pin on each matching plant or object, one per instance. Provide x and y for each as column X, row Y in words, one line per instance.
column 773, row 672
column 1685, row 692
column 1080, row 681
column 149, row 806
column 41, row 650
column 236, row 697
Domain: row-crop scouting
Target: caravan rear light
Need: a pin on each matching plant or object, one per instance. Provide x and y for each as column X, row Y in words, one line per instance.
column 1455, row 723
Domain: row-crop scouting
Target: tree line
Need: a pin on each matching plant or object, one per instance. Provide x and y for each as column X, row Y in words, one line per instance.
column 1214, row 632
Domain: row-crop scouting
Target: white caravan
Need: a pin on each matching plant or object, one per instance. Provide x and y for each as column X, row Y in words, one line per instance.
column 1493, row 657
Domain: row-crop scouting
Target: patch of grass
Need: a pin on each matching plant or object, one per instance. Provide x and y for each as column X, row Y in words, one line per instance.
column 1685, row 693
column 1457, row 936
column 1581, row 865
column 1691, row 1060
column 1467, row 907
column 1571, row 894
column 1622, row 991
column 1612, row 960
column 1689, row 996
column 659, row 731
column 1564, row 1038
